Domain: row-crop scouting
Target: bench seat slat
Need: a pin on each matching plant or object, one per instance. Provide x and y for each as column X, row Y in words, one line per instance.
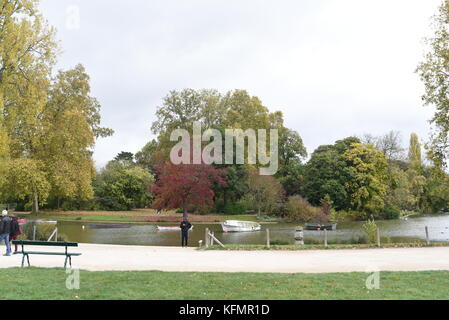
column 45, row 243
column 51, row 253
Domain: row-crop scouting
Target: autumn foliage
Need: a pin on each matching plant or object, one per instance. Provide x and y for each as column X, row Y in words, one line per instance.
column 186, row 186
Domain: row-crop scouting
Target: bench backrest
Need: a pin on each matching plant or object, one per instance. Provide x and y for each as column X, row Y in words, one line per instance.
column 45, row 243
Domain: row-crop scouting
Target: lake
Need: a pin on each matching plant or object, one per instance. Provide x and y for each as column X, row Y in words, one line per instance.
column 147, row 234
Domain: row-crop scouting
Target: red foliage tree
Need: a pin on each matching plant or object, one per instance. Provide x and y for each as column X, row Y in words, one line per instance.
column 186, row 185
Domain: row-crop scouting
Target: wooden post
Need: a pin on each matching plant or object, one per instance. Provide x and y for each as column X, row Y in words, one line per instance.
column 325, row 237
column 427, row 236
column 378, row 237
column 212, row 238
column 206, row 237
column 217, row 241
column 56, row 236
column 34, row 232
column 268, row 238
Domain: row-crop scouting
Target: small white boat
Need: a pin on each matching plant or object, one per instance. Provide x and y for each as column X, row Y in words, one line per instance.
column 170, row 228
column 240, row 226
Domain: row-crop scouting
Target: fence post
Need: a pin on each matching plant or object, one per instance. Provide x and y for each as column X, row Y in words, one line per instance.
column 268, row 238
column 427, row 236
column 378, row 237
column 206, row 237
column 34, row 232
column 56, row 235
column 325, row 237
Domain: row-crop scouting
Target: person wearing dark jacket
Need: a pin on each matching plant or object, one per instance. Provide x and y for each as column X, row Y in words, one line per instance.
column 5, row 230
column 15, row 231
column 185, row 227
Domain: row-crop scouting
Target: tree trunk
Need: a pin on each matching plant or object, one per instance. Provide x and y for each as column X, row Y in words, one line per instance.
column 35, row 207
column 185, row 215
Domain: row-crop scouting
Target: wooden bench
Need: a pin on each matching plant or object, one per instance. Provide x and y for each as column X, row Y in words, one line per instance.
column 25, row 253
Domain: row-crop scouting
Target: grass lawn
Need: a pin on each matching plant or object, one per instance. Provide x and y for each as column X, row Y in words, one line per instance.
column 35, row 283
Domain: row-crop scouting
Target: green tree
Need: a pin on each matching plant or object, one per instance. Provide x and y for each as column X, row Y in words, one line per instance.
column 327, row 173
column 120, row 187
column 414, row 150
column 70, row 124
column 368, row 189
column 434, row 72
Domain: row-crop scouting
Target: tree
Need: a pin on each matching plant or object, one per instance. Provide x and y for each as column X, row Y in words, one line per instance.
column 70, row 124
column 46, row 124
column 368, row 188
column 434, row 72
column 27, row 54
column 390, row 144
column 327, row 174
column 145, row 157
column 265, row 193
column 123, row 187
column 414, row 150
column 26, row 179
column 186, row 186
column 291, row 153
column 125, row 158
column 349, row 174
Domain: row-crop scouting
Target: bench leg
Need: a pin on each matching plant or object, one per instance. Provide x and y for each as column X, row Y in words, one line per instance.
column 69, row 259
column 23, row 259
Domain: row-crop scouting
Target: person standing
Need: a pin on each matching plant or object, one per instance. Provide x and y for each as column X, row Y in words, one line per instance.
column 185, row 227
column 5, row 230
column 15, row 231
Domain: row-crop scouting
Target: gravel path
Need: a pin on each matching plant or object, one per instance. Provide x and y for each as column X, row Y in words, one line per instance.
column 115, row 257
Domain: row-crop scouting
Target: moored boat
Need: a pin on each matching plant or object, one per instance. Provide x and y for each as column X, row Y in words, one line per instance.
column 240, row 226
column 319, row 227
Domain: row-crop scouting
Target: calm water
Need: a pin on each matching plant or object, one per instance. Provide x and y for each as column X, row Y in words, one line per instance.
column 147, row 234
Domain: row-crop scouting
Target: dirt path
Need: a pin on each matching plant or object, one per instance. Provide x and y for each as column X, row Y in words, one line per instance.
column 112, row 257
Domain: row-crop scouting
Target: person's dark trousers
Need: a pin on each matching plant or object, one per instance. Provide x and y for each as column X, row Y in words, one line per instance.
column 185, row 237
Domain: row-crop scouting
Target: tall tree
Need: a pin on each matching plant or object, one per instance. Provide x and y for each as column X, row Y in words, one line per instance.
column 71, row 123
column 414, row 150
column 434, row 72
column 27, row 54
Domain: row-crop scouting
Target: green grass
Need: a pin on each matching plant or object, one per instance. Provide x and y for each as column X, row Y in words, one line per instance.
column 292, row 247
column 36, row 284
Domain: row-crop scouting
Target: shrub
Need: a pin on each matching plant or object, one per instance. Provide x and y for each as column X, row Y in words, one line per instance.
column 391, row 212
column 299, row 209
column 234, row 208
column 370, row 229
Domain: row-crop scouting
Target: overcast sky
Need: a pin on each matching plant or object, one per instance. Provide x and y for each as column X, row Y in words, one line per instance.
column 334, row 67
